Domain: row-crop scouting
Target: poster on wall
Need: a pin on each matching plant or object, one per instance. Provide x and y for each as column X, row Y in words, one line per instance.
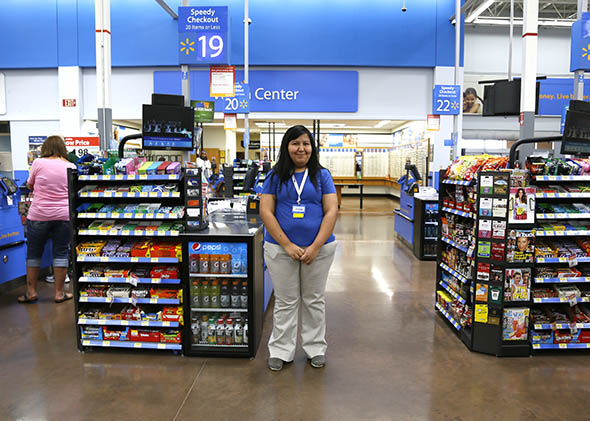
column 35, row 143
column 522, row 205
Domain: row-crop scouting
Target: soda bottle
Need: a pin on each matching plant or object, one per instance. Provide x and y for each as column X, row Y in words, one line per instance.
column 238, row 332
column 214, row 293
column 224, row 299
column 220, row 338
column 244, row 295
column 211, row 330
column 246, row 332
column 235, row 295
column 204, row 329
column 229, row 332
column 196, row 294
column 205, row 294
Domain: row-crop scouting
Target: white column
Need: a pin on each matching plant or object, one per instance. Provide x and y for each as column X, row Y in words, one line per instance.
column 529, row 66
column 102, row 9
column 230, row 145
column 70, row 100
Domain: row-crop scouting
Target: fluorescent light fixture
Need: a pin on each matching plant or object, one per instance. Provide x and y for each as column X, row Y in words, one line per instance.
column 265, row 124
column 518, row 22
column 382, row 123
column 478, row 11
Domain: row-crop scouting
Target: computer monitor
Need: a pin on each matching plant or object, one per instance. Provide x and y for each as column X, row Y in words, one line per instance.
column 411, row 168
column 168, row 127
column 576, row 131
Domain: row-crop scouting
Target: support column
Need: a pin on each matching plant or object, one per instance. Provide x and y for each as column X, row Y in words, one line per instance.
column 528, row 90
column 70, row 100
column 102, row 11
column 579, row 74
column 230, row 146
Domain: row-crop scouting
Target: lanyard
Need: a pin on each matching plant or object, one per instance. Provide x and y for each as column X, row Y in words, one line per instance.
column 299, row 188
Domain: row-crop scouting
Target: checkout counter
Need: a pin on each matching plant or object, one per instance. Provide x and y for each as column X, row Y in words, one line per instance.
column 416, row 220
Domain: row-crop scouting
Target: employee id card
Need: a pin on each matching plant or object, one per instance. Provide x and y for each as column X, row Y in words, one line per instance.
column 298, row 211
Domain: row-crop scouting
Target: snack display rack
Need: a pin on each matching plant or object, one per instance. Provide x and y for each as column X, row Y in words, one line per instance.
column 475, row 256
column 130, row 296
column 560, row 318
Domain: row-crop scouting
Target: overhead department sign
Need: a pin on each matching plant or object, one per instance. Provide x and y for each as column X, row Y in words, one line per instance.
column 203, row 35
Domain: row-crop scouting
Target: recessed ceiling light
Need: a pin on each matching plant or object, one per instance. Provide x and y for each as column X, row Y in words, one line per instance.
column 382, row 123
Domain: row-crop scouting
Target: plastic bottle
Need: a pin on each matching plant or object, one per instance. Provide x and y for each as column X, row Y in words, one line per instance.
column 246, row 332
column 220, row 334
column 235, row 295
column 238, row 332
column 211, row 330
column 204, row 328
column 214, row 293
column 229, row 332
column 205, row 294
column 196, row 294
column 244, row 295
column 224, row 299
column 196, row 330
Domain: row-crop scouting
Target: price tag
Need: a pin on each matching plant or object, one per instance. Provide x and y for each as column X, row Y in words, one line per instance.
column 106, row 343
column 125, row 232
column 83, row 299
column 536, row 346
column 143, row 194
column 134, row 259
column 119, row 177
column 149, row 233
column 109, row 194
column 145, row 323
column 563, row 346
column 102, row 322
column 104, row 259
column 161, row 346
column 119, row 194
column 102, row 215
column 149, row 215
column 154, row 259
column 127, row 215
column 166, row 324
column 109, row 300
column 561, row 215
column 94, row 177
column 572, row 300
column 132, row 281
column 572, row 260
column 160, row 215
column 124, row 322
column 143, row 177
column 155, row 280
column 537, row 300
column 136, row 345
column 86, row 343
column 153, row 301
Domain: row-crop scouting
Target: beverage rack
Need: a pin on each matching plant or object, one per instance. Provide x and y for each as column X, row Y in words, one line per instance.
column 565, row 333
column 470, row 286
column 159, row 298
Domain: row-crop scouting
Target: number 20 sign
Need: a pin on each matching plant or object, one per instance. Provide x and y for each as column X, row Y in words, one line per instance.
column 203, row 36
column 446, row 100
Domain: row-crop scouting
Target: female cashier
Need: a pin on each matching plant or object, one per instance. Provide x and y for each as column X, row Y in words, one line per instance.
column 299, row 210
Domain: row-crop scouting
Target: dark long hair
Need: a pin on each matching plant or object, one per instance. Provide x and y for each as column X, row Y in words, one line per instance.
column 284, row 167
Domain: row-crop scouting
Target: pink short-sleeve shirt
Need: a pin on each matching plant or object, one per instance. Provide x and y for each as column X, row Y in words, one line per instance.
column 49, row 178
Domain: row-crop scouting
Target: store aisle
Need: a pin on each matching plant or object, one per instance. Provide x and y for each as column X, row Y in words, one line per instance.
column 389, row 358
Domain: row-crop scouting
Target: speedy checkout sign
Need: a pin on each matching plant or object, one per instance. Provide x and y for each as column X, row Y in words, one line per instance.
column 203, row 35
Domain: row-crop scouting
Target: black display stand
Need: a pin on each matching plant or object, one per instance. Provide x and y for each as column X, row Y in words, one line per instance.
column 425, row 229
column 229, row 229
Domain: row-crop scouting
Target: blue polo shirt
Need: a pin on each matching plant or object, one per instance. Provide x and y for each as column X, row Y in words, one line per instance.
column 301, row 231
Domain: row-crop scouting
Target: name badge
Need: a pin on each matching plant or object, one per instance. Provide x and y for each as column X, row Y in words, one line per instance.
column 298, row 211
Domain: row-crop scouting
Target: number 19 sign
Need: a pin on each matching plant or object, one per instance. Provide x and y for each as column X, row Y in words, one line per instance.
column 203, row 35
column 446, row 99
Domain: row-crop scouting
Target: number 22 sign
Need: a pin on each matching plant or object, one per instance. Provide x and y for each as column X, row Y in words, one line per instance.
column 446, row 100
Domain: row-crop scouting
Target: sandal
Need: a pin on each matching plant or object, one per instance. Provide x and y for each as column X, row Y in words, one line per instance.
column 67, row 296
column 25, row 299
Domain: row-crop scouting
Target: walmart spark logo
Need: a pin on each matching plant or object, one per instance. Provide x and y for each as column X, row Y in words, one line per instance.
column 187, row 46
column 455, row 105
column 586, row 52
column 243, row 104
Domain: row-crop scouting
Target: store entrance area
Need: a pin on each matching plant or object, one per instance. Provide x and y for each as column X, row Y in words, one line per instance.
column 389, row 357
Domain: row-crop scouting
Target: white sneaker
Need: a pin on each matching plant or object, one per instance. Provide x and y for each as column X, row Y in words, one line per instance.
column 51, row 279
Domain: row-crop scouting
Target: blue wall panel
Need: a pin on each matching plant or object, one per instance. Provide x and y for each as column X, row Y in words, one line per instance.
column 287, row 32
column 28, row 34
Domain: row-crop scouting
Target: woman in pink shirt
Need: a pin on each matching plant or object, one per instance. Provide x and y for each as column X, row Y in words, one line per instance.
column 48, row 217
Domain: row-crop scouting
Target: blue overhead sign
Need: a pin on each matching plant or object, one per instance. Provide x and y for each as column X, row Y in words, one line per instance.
column 580, row 48
column 240, row 102
column 446, row 99
column 277, row 90
column 203, row 35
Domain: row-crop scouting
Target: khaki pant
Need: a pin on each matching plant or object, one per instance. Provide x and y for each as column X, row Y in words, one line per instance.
column 294, row 281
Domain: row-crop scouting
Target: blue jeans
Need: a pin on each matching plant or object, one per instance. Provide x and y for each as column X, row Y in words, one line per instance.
column 38, row 232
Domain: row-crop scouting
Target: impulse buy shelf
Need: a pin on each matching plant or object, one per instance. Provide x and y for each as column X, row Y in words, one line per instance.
column 129, row 215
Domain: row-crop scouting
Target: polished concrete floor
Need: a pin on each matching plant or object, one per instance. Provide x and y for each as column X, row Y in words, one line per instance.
column 389, row 358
